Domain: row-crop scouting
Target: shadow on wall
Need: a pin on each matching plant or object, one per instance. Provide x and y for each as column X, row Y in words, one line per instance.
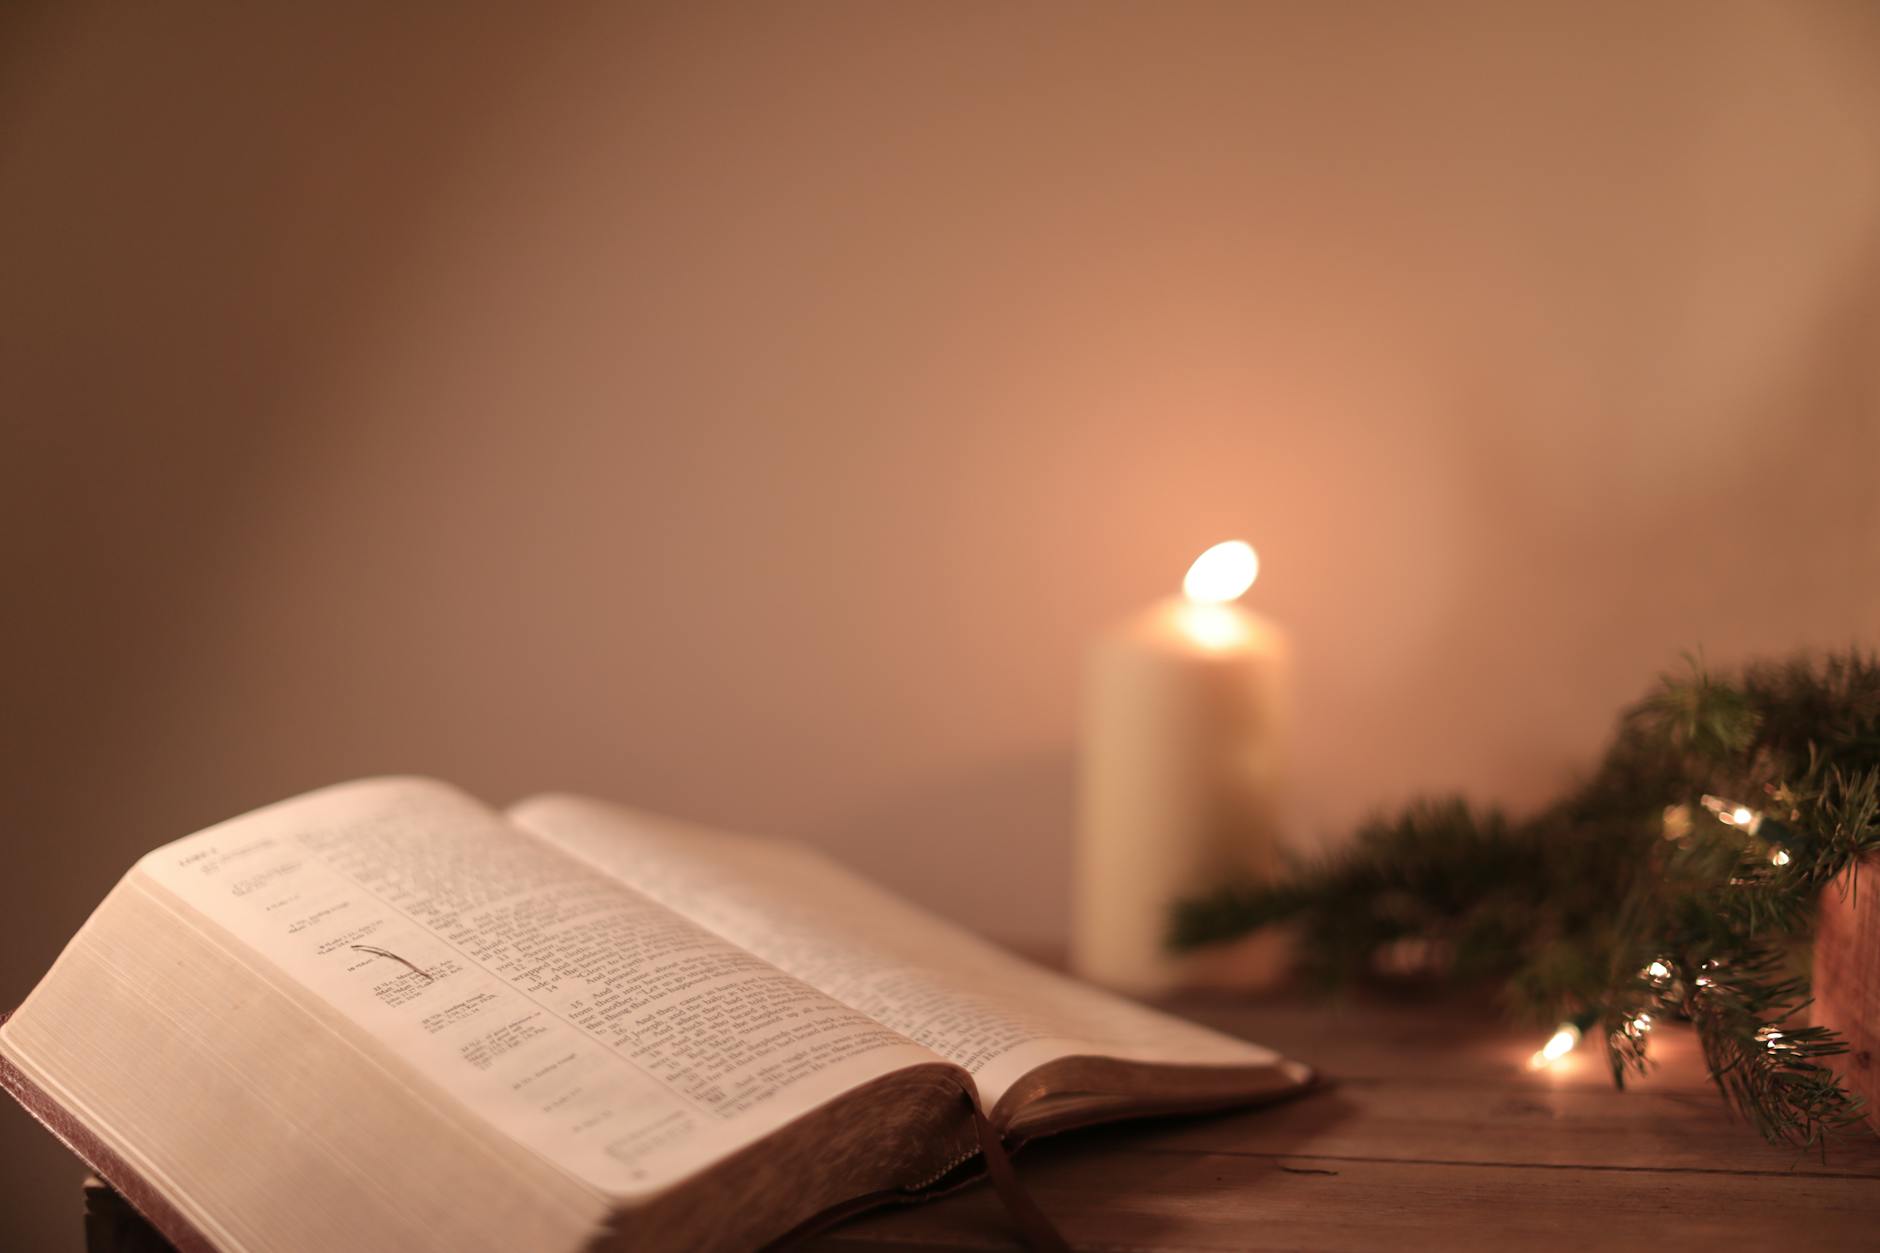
column 182, row 273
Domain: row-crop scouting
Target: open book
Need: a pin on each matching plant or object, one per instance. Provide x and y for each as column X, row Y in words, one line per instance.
column 383, row 1016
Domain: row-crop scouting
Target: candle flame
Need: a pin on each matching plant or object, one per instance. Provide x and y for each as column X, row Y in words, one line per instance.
column 1222, row 573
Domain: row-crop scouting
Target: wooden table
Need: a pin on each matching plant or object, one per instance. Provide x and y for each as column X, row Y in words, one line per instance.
column 1437, row 1137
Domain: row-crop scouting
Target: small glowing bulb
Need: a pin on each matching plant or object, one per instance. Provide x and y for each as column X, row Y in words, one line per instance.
column 1780, row 857
column 1643, row 1022
column 1658, row 970
column 1222, row 573
column 1733, row 814
column 1558, row 1045
column 1703, row 981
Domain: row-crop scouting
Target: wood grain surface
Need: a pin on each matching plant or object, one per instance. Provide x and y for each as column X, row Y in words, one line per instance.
column 1435, row 1136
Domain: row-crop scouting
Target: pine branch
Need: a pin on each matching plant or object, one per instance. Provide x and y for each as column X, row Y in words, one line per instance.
column 1628, row 900
column 1769, row 1069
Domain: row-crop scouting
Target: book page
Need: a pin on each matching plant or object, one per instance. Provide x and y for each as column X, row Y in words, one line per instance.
column 992, row 1013
column 620, row 1041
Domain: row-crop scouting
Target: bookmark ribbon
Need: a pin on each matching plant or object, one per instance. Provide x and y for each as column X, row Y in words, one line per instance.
column 1033, row 1227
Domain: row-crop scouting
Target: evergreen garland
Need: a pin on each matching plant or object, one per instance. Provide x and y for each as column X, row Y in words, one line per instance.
column 1673, row 882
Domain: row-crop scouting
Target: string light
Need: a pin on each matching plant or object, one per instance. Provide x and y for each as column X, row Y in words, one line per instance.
column 1564, row 1040
column 1730, row 813
column 1658, row 971
column 1780, row 857
column 1638, row 1026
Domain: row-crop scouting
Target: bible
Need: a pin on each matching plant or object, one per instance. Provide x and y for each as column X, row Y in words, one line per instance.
column 385, row 1016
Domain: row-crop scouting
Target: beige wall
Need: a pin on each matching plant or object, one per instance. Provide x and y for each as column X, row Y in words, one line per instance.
column 751, row 412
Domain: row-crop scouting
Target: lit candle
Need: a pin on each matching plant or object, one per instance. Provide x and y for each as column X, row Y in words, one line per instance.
column 1182, row 775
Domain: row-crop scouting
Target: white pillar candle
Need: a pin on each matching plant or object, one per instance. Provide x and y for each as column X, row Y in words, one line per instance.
column 1181, row 777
